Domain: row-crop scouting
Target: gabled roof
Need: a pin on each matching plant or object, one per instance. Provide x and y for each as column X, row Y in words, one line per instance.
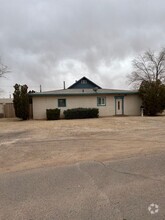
column 84, row 83
column 86, row 88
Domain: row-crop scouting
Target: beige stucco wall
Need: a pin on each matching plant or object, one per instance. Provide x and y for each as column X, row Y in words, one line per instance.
column 132, row 105
column 40, row 104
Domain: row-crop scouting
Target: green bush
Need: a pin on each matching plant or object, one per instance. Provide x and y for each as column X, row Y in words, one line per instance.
column 21, row 101
column 78, row 113
column 53, row 114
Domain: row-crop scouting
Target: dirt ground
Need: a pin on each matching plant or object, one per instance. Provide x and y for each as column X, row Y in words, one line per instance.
column 31, row 144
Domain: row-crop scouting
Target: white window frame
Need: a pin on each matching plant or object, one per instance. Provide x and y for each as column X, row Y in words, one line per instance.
column 101, row 101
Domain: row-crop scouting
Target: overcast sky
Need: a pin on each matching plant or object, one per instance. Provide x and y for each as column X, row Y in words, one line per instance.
column 50, row 41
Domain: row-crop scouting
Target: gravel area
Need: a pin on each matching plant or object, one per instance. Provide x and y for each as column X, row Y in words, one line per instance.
column 35, row 143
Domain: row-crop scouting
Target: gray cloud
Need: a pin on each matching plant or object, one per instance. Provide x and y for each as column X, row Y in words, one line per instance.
column 47, row 42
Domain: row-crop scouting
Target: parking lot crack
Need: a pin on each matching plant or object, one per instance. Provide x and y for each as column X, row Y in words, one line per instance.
column 136, row 175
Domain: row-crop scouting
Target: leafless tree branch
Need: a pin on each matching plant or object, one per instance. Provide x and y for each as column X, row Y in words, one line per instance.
column 3, row 70
column 148, row 67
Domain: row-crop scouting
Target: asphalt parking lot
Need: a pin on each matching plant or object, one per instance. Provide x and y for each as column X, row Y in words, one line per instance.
column 126, row 189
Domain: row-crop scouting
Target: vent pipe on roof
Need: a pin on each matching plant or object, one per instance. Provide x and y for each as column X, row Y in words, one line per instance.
column 64, row 84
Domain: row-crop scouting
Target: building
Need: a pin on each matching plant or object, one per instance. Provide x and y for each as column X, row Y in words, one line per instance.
column 86, row 94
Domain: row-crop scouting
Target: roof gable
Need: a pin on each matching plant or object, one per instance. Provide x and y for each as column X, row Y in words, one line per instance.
column 84, row 83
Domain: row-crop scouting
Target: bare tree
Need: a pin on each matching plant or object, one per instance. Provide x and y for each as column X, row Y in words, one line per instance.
column 148, row 67
column 3, row 69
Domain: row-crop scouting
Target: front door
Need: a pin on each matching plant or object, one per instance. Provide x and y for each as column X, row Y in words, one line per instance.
column 119, row 106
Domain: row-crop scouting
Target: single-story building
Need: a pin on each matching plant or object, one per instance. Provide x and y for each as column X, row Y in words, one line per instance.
column 86, row 94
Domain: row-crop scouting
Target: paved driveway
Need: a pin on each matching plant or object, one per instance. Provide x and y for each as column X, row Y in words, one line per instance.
column 121, row 189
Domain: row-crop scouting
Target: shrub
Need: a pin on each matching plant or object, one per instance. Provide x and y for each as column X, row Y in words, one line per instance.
column 21, row 101
column 78, row 113
column 53, row 114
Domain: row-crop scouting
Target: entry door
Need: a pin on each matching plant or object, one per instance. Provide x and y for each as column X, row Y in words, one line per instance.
column 119, row 106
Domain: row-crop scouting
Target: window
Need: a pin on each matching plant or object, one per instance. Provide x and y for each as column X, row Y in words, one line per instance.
column 83, row 81
column 61, row 102
column 101, row 101
column 118, row 105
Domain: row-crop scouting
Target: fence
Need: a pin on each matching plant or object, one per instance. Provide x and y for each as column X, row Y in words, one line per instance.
column 7, row 110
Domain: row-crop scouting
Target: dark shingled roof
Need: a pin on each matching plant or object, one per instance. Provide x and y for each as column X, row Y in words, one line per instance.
column 89, row 84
